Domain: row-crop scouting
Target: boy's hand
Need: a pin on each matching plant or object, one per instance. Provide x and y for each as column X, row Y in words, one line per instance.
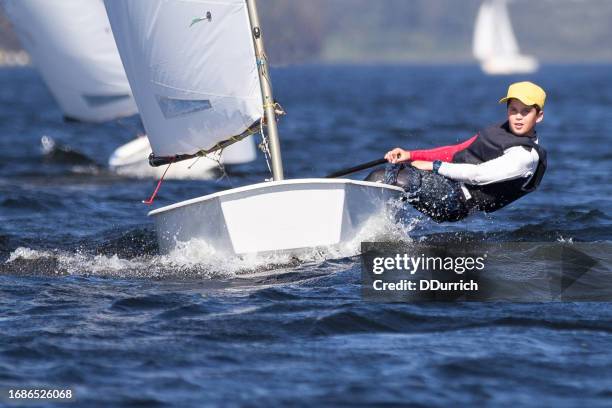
column 397, row 155
column 422, row 165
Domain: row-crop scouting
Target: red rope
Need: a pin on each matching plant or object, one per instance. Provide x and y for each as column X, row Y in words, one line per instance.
column 159, row 183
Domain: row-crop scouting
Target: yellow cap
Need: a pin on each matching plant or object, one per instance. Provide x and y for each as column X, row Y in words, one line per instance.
column 526, row 92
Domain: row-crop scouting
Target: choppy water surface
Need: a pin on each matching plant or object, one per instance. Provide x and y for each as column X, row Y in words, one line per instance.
column 86, row 301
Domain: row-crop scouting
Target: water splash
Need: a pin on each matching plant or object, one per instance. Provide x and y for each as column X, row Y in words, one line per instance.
column 196, row 259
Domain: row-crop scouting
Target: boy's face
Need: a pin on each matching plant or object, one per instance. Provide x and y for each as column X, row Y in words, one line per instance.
column 523, row 118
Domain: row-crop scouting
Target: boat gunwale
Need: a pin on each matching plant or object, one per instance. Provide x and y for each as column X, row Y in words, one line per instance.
column 272, row 184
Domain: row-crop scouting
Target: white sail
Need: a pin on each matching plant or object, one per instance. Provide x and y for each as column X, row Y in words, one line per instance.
column 506, row 41
column 484, row 38
column 493, row 34
column 495, row 44
column 192, row 68
column 72, row 46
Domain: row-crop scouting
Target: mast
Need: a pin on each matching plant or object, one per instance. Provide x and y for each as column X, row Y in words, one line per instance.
column 266, row 91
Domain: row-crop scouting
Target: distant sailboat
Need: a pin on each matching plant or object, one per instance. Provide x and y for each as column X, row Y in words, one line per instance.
column 494, row 43
column 200, row 77
column 72, row 46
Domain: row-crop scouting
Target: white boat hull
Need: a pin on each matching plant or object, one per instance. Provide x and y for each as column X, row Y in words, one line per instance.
column 286, row 216
column 515, row 64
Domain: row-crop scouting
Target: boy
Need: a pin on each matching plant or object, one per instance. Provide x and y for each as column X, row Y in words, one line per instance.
column 495, row 167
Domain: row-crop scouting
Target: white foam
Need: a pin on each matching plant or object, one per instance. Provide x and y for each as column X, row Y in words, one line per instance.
column 386, row 226
column 27, row 253
column 197, row 259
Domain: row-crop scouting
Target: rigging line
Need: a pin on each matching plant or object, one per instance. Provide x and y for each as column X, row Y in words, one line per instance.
column 161, row 161
column 159, row 183
column 197, row 159
column 229, row 141
column 262, row 60
column 263, row 146
column 266, row 76
column 216, row 157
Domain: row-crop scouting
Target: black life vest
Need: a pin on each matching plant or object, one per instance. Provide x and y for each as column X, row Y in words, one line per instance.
column 491, row 144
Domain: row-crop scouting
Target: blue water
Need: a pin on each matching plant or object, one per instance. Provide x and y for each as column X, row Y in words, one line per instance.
column 87, row 302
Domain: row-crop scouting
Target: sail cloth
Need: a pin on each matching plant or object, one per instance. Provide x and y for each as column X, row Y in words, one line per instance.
column 493, row 34
column 71, row 44
column 192, row 68
column 484, row 42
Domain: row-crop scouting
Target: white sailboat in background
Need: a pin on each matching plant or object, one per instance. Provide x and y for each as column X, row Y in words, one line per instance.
column 200, row 77
column 494, row 43
column 72, row 46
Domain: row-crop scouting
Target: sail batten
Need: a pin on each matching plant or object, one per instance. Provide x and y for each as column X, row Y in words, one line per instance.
column 192, row 68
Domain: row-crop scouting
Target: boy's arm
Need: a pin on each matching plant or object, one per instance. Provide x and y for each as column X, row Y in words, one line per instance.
column 515, row 163
column 444, row 153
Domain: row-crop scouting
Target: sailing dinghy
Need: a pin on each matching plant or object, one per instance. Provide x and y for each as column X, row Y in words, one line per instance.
column 200, row 77
column 494, row 43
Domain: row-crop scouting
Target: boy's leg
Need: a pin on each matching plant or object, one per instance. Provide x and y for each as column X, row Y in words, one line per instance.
column 387, row 175
column 432, row 194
